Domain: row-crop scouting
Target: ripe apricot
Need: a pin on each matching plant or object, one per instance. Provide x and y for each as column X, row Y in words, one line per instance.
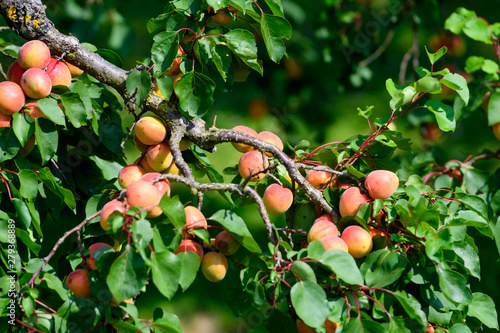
column 78, row 282
column 36, row 83
column 4, row 120
column 150, row 130
column 175, row 69
column 35, row 111
column 145, row 165
column 324, row 217
column 330, row 327
column 58, row 72
column 271, row 138
column 75, row 71
column 188, row 245
column 108, row 209
column 34, row 54
column 11, row 98
column 246, row 130
column 321, row 230
column 129, row 174
column 381, row 184
column 163, row 185
column 221, row 17
column 374, row 232
column 334, row 242
column 139, row 145
column 226, row 243
column 251, row 163
column 159, row 157
column 214, row 266
column 15, row 72
column 194, row 218
column 172, row 169
column 350, row 201
column 358, row 240
column 277, row 199
column 144, row 194
column 92, row 249
column 318, row 179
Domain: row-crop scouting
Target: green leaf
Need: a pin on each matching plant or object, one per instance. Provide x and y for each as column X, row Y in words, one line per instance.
column 157, row 23
column 343, row 265
column 473, row 63
column 457, row 82
column 83, row 92
column 195, row 92
column 127, row 274
column 445, row 115
column 483, row 308
column 9, row 144
column 454, row 23
column 47, row 138
column 309, row 301
column 52, row 110
column 190, row 264
column 428, row 84
column 110, row 56
column 242, row 43
column 274, row 29
column 383, row 267
column 237, row 227
column 454, row 287
column 164, row 50
column 478, row 29
column 74, row 108
column 109, row 169
column 28, row 305
column 391, row 87
column 169, row 323
column 276, row 7
column 139, row 83
column 166, row 271
column 494, row 108
column 218, row 4
column 23, row 126
column 366, row 113
column 174, row 210
column 22, row 212
column 459, row 328
column 222, row 59
column 467, row 218
column 29, row 183
column 28, row 240
column 165, row 86
column 52, row 184
column 142, row 232
column 411, row 306
column 434, row 57
column 303, row 271
column 315, row 250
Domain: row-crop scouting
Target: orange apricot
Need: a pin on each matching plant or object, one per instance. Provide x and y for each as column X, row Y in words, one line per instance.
column 163, row 185
column 5, row 120
column 381, row 184
column 271, row 138
column 75, row 71
column 159, row 156
column 143, row 194
column 35, row 111
column 108, row 209
column 58, row 72
column 358, row 240
column 139, row 145
column 251, row 163
column 129, row 174
column 246, row 130
column 321, row 230
column 350, row 201
column 15, row 72
column 78, row 282
column 277, row 199
column 194, row 219
column 188, row 245
column 214, row 266
column 11, row 98
column 150, row 130
column 92, row 248
column 36, row 83
column 318, row 179
column 334, row 243
column 34, row 54
column 175, row 69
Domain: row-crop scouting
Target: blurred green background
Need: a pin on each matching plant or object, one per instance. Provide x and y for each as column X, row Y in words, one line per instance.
column 313, row 95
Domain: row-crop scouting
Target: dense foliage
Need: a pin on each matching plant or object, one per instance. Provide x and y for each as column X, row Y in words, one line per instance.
column 83, row 238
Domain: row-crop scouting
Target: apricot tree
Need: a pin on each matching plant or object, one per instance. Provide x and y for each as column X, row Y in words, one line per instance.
column 370, row 241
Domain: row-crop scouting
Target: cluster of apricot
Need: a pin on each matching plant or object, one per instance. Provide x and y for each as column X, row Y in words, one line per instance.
column 30, row 78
